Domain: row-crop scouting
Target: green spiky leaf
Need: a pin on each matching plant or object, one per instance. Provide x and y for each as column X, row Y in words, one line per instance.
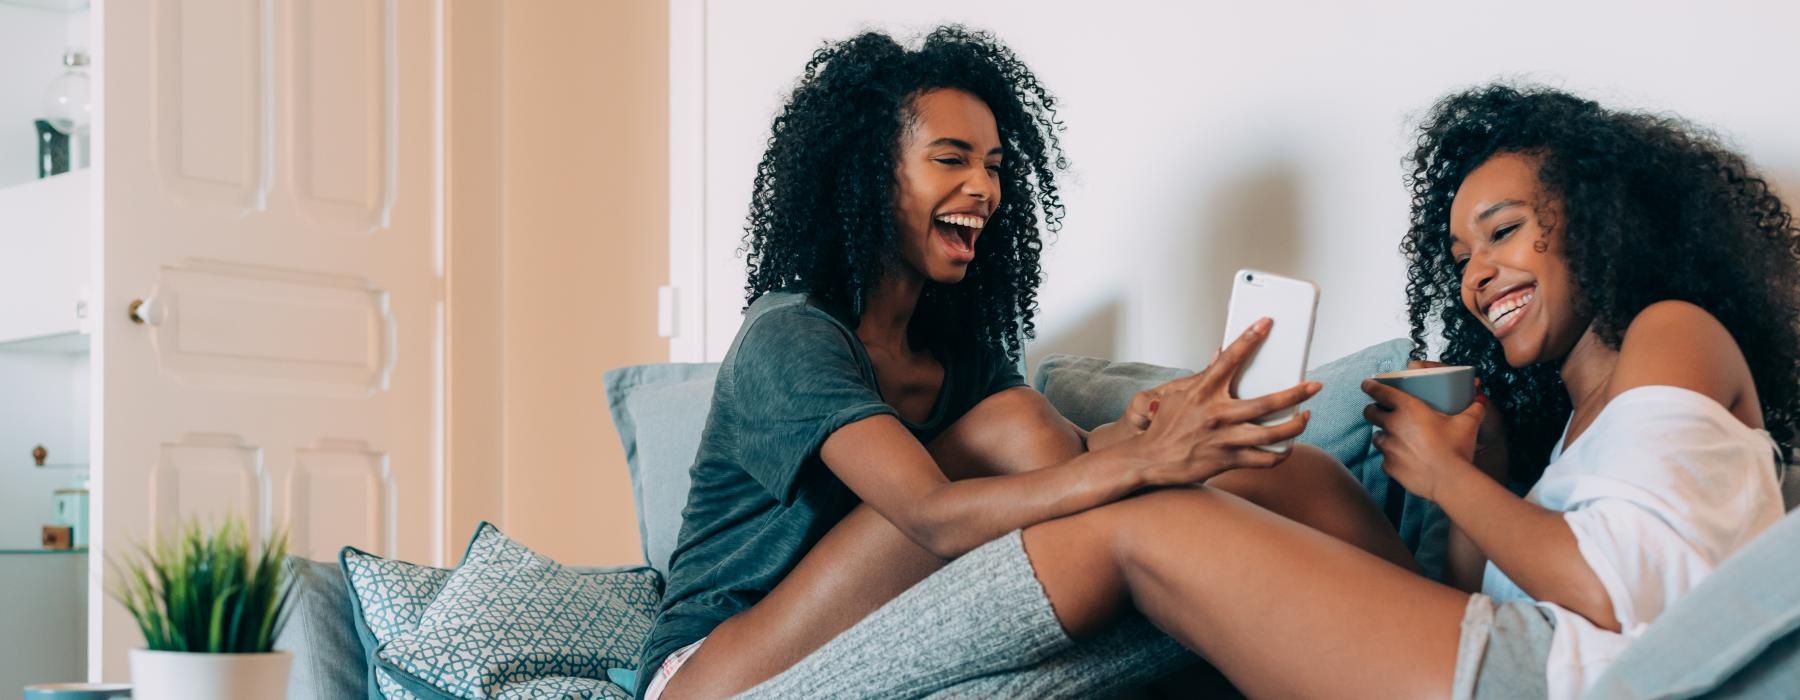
column 207, row 591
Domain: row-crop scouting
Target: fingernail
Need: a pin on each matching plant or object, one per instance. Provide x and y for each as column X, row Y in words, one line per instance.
column 1263, row 324
column 1315, row 387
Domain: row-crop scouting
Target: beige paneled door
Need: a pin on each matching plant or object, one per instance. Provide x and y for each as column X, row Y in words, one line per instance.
column 270, row 278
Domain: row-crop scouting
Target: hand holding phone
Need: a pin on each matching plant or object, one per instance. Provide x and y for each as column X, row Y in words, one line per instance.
column 1200, row 430
column 1280, row 362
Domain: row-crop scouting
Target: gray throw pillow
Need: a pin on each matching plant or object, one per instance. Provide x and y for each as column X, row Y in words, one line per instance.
column 510, row 622
column 660, row 411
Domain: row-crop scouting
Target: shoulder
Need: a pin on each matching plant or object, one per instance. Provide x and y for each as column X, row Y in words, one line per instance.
column 1676, row 343
column 783, row 327
column 790, row 316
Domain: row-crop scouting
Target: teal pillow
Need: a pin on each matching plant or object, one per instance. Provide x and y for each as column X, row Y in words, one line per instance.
column 510, row 622
column 387, row 597
column 660, row 411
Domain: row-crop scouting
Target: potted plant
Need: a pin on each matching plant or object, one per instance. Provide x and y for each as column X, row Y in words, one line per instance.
column 210, row 608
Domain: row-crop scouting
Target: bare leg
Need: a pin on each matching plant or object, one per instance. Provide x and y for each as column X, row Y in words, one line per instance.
column 1310, row 487
column 1315, row 490
column 864, row 561
column 1282, row 609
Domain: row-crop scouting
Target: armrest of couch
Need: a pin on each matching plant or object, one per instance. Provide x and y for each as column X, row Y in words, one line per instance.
column 328, row 658
column 1737, row 634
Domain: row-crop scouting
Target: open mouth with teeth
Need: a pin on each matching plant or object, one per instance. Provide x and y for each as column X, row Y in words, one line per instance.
column 958, row 233
column 1505, row 312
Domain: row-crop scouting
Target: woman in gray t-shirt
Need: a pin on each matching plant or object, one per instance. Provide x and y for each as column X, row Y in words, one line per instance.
column 869, row 422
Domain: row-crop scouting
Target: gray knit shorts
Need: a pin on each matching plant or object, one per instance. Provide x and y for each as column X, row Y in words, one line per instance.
column 1503, row 651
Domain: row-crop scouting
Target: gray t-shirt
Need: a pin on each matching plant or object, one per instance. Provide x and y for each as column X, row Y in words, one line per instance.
column 761, row 498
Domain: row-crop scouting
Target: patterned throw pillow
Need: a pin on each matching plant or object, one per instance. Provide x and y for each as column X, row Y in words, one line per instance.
column 390, row 596
column 510, row 622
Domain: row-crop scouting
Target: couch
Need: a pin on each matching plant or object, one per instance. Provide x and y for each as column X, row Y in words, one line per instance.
column 1737, row 635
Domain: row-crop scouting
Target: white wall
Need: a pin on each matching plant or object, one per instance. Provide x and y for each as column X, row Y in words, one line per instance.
column 1208, row 138
column 45, row 403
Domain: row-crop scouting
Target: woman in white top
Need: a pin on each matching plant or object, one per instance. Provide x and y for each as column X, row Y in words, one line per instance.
column 1628, row 292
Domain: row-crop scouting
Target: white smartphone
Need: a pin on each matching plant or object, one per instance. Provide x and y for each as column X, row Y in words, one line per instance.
column 1281, row 361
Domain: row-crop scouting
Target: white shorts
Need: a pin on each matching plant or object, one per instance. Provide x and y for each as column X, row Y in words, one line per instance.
column 667, row 670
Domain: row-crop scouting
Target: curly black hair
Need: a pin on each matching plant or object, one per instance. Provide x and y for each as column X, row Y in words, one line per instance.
column 822, row 207
column 1653, row 208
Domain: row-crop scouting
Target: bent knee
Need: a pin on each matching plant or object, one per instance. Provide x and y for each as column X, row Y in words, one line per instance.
column 1311, row 457
column 1313, row 466
column 1009, row 432
column 1307, row 468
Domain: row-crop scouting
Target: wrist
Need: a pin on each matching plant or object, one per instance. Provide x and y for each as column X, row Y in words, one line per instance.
column 1127, row 461
column 1102, row 436
column 1458, row 483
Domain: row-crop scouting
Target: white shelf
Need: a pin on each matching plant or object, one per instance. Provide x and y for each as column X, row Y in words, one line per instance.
column 58, row 344
column 63, row 6
column 45, row 233
column 24, row 191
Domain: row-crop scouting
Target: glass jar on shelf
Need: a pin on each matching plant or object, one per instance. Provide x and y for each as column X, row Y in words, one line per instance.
column 68, row 113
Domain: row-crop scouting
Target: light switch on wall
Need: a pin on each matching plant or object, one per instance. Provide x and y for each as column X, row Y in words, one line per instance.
column 665, row 311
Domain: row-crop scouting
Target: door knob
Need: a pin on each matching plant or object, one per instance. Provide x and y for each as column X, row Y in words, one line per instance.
column 146, row 312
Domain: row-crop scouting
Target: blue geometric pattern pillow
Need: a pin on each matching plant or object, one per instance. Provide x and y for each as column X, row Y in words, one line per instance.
column 509, row 621
column 390, row 597
column 564, row 687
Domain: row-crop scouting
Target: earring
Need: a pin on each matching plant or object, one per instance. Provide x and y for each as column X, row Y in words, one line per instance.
column 1540, row 245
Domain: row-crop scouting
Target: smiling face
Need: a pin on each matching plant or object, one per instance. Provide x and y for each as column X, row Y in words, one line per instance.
column 1515, row 277
column 947, row 182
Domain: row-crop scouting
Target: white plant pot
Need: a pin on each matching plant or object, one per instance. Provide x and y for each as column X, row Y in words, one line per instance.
column 180, row 675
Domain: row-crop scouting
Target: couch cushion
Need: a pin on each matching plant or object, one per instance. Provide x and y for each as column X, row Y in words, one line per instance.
column 1091, row 391
column 660, row 411
column 509, row 616
column 329, row 662
column 1737, row 634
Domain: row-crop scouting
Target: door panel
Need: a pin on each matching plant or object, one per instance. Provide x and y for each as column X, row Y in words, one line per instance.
column 209, row 102
column 338, row 495
column 342, row 121
column 207, row 476
column 287, row 330
column 285, row 228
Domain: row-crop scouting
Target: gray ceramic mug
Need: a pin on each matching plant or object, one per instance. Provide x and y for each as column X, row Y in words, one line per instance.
column 77, row 691
column 1445, row 389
